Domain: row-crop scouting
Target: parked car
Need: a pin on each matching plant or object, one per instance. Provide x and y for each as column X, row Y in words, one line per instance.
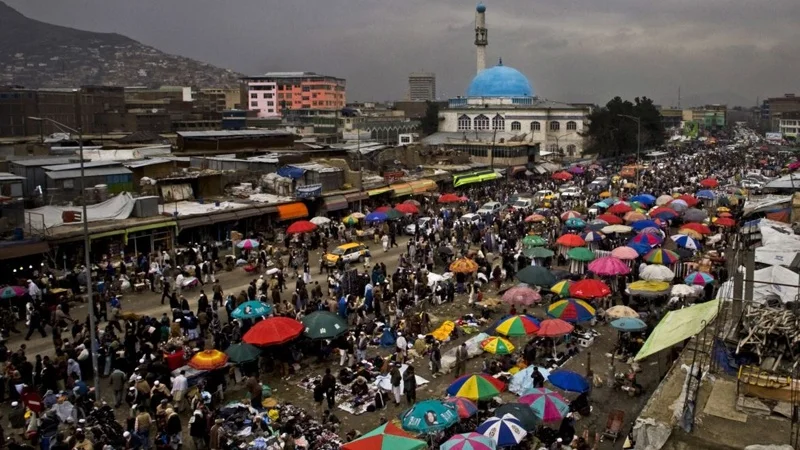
column 751, row 184
column 470, row 218
column 490, row 208
column 571, row 192
column 522, row 203
column 542, row 195
column 422, row 223
column 350, row 252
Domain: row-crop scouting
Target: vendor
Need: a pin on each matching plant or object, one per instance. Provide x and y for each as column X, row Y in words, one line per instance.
column 360, row 387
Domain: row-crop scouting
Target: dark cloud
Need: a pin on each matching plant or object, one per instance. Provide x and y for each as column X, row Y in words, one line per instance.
column 579, row 50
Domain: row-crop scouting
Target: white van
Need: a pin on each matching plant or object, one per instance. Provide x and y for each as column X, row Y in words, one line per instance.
column 522, row 203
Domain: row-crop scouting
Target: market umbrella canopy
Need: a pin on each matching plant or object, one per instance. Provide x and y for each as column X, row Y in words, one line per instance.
column 383, row 209
column 580, row 254
column 533, row 240
column 608, row 266
column 301, row 226
column 247, row 244
column 520, row 325
column 620, row 311
column 571, row 310
column 593, row 236
column 689, row 200
column 647, row 238
column 710, row 183
column 605, row 194
column 407, row 208
column 649, row 288
column 535, row 218
column 376, row 217
column 662, row 256
column 536, row 276
column 386, row 437
column 664, row 213
column 320, row 220
column 571, row 240
column 208, row 360
column 570, row 215
column 242, row 353
column 706, row 195
column 625, row 253
column 521, row 295
column 589, row 288
column 577, row 170
column 476, row 387
column 575, row 223
column 634, row 216
column 324, row 325
column 463, row 265
column 505, row 431
column 413, row 202
column 646, row 199
column 694, row 215
column 699, row 278
column 657, row 272
column 627, row 324
column 450, row 198
column 640, row 225
column 677, row 326
column 562, row 176
column 393, row 214
column 429, row 416
column 682, row 290
column 686, row 241
column 12, row 292
column 549, row 406
column 538, row 252
column 464, row 407
column 554, row 328
column 596, row 225
column 351, row 219
column 610, row 219
column 521, row 412
column 619, row 229
column 273, row 331
column 561, row 288
column 724, row 222
column 678, row 205
column 663, row 200
column 497, row 346
column 620, row 208
column 569, row 381
column 696, row 227
column 251, row 309
column 469, row 441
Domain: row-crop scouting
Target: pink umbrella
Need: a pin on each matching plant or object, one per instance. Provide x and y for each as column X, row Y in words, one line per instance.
column 549, row 406
column 609, row 266
column 624, row 253
column 521, row 295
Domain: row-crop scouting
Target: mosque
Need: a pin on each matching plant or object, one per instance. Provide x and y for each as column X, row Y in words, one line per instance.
column 501, row 121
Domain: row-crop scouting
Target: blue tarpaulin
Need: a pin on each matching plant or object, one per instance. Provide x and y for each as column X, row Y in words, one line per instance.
column 308, row 191
column 291, row 172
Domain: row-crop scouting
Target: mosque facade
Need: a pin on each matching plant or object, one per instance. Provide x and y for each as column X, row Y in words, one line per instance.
column 501, row 120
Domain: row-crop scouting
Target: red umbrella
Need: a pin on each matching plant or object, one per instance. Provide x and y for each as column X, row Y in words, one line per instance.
column 383, row 209
column 724, row 222
column 554, row 328
column 570, row 215
column 710, row 183
column 301, row 226
column 696, row 227
column 610, row 219
column 562, row 176
column 450, row 198
column 274, row 331
column 589, row 288
column 620, row 208
column 571, row 240
column 407, row 208
column 690, row 200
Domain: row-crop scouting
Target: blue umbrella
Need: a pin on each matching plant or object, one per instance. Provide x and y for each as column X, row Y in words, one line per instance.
column 429, row 416
column 251, row 310
column 640, row 247
column 505, row 431
column 575, row 223
column 640, row 225
column 706, row 194
column 687, row 241
column 646, row 199
column 593, row 236
column 376, row 217
column 665, row 214
column 626, row 324
column 596, row 225
column 569, row 381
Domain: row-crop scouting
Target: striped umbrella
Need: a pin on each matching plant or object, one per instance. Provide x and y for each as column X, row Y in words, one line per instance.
column 699, row 278
column 464, row 407
column 570, row 215
column 518, row 326
column 662, row 256
column 549, row 406
column 476, row 387
column 469, row 441
column 497, row 346
column 647, row 238
column 505, row 431
column 571, row 310
column 593, row 236
column 561, row 288
column 386, row 437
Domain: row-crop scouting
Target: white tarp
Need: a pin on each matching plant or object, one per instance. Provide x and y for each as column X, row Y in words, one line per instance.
column 385, row 381
column 779, row 243
column 185, row 209
column 774, row 274
column 764, row 203
column 127, row 154
column 791, row 181
column 116, row 208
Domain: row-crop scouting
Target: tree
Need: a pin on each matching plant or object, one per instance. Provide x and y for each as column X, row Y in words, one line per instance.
column 430, row 122
column 610, row 134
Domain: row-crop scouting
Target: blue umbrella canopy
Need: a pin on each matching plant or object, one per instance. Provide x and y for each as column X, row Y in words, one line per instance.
column 429, row 416
column 569, row 381
column 575, row 223
column 645, row 199
column 640, row 225
column 640, row 247
column 626, row 324
column 706, row 195
column 376, row 217
column 251, row 310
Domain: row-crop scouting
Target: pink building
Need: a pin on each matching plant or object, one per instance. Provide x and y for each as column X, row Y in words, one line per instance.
column 270, row 93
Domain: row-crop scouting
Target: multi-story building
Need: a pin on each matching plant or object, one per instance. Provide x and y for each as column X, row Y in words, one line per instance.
column 671, row 117
column 422, row 86
column 789, row 124
column 774, row 108
column 228, row 98
column 274, row 92
column 707, row 117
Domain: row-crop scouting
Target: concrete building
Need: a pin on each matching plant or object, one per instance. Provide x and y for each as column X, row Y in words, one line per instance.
column 707, row 117
column 774, row 108
column 789, row 124
column 422, row 86
column 671, row 117
column 273, row 92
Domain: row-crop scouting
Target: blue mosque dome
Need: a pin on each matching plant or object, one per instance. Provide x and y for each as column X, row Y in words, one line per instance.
column 481, row 8
column 500, row 81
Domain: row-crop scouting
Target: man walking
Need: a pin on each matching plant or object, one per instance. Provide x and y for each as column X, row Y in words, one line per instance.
column 461, row 360
column 118, row 379
column 329, row 386
column 397, row 379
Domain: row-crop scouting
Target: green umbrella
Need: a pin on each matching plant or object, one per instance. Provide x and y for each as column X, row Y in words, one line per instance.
column 522, row 412
column 580, row 254
column 242, row 353
column 324, row 325
column 536, row 276
column 533, row 240
column 394, row 214
column 538, row 252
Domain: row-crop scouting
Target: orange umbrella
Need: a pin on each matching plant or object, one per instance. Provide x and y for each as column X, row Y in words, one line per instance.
column 571, row 240
column 208, row 360
column 535, row 218
column 463, row 265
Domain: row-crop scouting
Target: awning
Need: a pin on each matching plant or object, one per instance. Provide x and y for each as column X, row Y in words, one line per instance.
column 335, row 203
column 106, row 234
column 292, row 211
column 151, row 226
column 356, row 196
column 421, row 186
column 517, row 169
column 251, row 212
column 678, row 326
column 379, row 191
column 401, row 189
column 21, row 249
column 191, row 222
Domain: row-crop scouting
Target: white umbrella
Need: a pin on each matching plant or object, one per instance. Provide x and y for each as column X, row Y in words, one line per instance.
column 663, row 200
column 319, row 220
column 684, row 290
column 433, row 278
column 657, row 272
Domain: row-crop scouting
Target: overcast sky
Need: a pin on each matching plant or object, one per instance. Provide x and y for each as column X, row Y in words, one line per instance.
column 572, row 50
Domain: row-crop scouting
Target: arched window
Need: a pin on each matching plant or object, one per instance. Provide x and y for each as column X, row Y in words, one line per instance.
column 516, row 126
column 571, row 149
column 572, row 125
column 481, row 122
column 498, row 123
column 536, row 126
column 555, row 126
column 554, row 148
column 464, row 123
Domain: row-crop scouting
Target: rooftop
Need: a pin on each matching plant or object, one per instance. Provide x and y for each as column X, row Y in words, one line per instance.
column 38, row 162
column 94, row 172
column 146, row 162
column 231, row 134
column 72, row 166
column 5, row 176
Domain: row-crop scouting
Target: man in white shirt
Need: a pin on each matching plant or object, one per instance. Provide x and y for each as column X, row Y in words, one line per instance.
column 402, row 344
column 179, row 387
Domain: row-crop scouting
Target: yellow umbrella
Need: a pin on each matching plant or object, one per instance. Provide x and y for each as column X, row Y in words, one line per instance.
column 629, row 185
column 723, row 209
column 463, row 265
column 497, row 346
column 208, row 360
column 691, row 233
column 620, row 311
column 605, row 194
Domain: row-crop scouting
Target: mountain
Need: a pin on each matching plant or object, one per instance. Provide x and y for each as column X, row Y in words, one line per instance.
column 35, row 54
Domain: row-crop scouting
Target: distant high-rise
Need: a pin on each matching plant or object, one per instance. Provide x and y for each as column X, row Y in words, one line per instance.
column 422, row 86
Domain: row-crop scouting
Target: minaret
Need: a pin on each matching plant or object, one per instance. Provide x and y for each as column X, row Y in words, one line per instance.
column 481, row 39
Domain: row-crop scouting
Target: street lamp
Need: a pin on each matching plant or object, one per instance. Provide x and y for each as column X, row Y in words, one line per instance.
column 638, row 121
column 86, row 246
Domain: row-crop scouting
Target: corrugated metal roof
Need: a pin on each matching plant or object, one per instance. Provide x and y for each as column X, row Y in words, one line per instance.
column 316, row 167
column 96, row 172
column 35, row 162
column 87, row 164
column 232, row 133
column 5, row 176
column 146, row 162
